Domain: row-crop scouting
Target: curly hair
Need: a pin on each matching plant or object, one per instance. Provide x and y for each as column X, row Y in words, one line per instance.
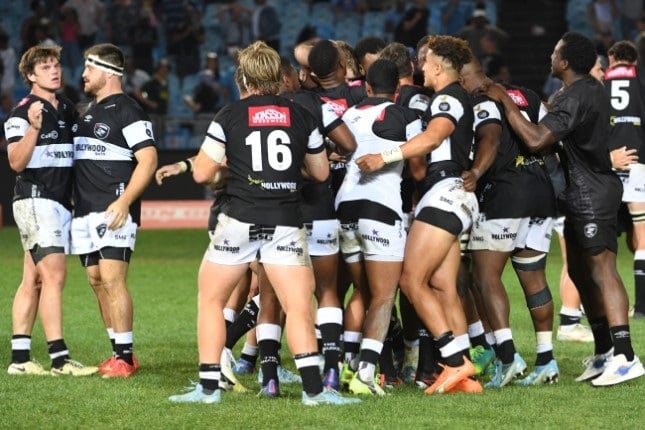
column 453, row 51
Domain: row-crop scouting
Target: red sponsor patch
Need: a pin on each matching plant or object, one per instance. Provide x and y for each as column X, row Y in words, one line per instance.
column 518, row 97
column 621, row 72
column 381, row 115
column 338, row 105
column 267, row 116
column 23, row 101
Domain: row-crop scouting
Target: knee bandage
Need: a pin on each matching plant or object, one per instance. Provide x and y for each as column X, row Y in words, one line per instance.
column 529, row 264
column 539, row 299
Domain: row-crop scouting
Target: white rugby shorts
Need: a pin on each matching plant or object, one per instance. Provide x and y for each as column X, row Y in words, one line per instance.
column 90, row 233
column 372, row 240
column 322, row 237
column 509, row 234
column 449, row 195
column 42, row 222
column 234, row 242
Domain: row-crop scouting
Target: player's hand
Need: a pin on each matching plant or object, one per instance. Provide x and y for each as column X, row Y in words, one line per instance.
column 370, row 162
column 621, row 158
column 35, row 114
column 117, row 213
column 470, row 178
column 167, row 171
column 335, row 156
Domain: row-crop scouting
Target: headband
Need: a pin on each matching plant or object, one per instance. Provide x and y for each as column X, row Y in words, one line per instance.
column 95, row 61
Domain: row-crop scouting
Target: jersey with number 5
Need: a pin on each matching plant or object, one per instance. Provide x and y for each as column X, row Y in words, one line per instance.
column 266, row 140
column 627, row 108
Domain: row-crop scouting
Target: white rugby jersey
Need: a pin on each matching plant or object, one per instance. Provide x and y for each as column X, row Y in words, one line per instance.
column 377, row 125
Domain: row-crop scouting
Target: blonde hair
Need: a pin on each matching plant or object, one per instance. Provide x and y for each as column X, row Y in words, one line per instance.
column 34, row 56
column 259, row 67
column 350, row 57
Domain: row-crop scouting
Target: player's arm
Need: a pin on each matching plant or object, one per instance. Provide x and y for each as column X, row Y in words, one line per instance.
column 316, row 166
column 438, row 129
column 209, row 161
column 174, row 169
column 343, row 138
column 536, row 137
column 488, row 141
column 141, row 176
column 19, row 153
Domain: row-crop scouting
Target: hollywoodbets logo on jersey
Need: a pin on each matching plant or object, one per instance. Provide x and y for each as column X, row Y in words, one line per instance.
column 268, row 116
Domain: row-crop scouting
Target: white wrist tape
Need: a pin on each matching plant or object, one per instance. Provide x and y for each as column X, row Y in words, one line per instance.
column 392, row 155
column 215, row 150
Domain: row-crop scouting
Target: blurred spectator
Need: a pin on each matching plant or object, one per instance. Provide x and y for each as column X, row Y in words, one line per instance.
column 630, row 13
column 393, row 17
column 71, row 57
column 154, row 96
column 640, row 39
column 90, row 18
column 145, row 38
column 29, row 28
column 6, row 104
column 414, row 25
column 602, row 14
column 480, row 27
column 235, row 21
column 604, row 41
column 455, row 15
column 122, row 16
column 187, row 39
column 205, row 98
column 173, row 14
column 133, row 78
column 376, row 5
column 489, row 52
column 266, row 24
column 8, row 60
column 347, row 6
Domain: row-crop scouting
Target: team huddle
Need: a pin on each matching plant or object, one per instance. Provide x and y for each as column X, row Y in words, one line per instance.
column 350, row 192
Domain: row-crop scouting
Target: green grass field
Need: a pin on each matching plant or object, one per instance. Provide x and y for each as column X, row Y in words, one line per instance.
column 163, row 284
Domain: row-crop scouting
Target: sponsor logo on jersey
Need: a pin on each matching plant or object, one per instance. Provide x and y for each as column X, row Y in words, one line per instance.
column 446, row 200
column 101, row 130
column 590, row 230
column 339, row 106
column 444, row 106
column 380, row 116
column 621, row 72
column 266, row 116
column 51, row 135
column 97, row 149
column 12, row 123
column 87, row 118
column 292, row 248
column 75, row 128
column 634, row 120
column 59, row 154
column 61, row 124
column 477, row 238
column 291, row 186
column 23, row 101
column 518, row 98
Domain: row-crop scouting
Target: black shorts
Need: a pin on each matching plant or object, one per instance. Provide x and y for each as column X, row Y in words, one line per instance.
column 107, row 253
column 593, row 236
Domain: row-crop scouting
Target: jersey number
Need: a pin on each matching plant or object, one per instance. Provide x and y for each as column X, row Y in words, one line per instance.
column 278, row 152
column 619, row 94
